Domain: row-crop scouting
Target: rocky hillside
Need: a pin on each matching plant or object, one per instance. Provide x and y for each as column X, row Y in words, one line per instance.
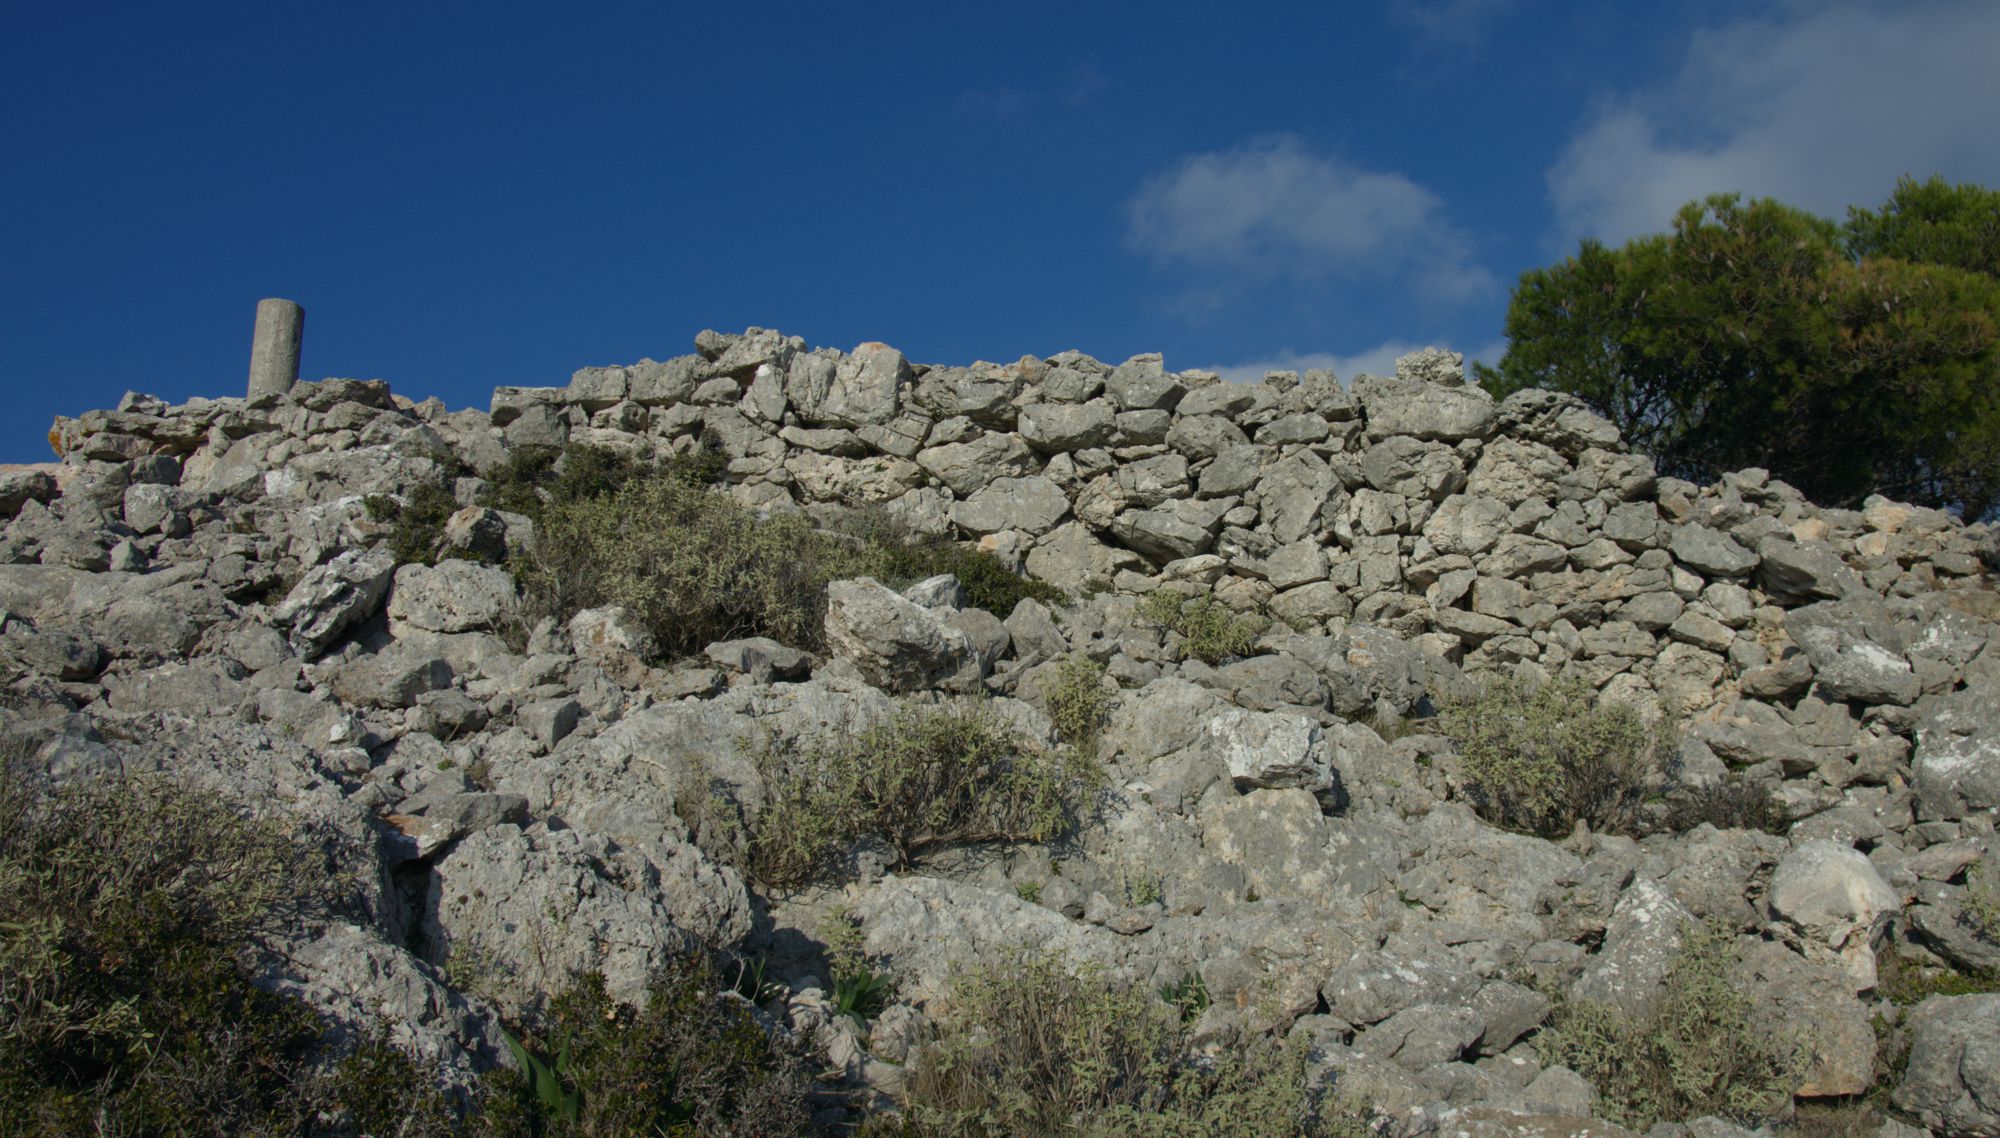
column 1263, row 595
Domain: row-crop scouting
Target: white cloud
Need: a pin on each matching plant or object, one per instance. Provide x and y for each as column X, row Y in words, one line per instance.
column 1272, row 208
column 1448, row 23
column 1378, row 360
column 1822, row 108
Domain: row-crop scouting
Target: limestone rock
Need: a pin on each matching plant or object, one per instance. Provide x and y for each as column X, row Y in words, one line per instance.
column 898, row 645
column 333, row 597
column 1032, row 505
column 1419, row 408
column 1629, row 971
column 1271, row 749
column 451, row 596
column 1837, row 903
column 544, row 904
column 1956, row 775
column 1051, row 427
column 1709, row 551
column 1952, row 1082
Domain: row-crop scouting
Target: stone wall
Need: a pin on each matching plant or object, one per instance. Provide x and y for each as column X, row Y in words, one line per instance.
column 1495, row 534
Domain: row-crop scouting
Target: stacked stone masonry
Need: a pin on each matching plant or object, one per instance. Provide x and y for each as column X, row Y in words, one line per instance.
column 202, row 586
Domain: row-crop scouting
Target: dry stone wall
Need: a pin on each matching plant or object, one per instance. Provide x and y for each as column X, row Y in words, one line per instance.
column 1493, row 534
column 203, row 587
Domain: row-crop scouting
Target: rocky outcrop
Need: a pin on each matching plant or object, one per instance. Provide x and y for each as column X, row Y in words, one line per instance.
column 205, row 588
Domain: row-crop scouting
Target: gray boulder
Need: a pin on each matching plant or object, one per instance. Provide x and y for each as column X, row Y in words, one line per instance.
column 1422, row 1036
column 534, row 907
column 1032, row 505
column 760, row 659
column 935, row 929
column 1555, row 419
column 334, row 597
column 1847, row 665
column 1403, row 465
column 1279, row 839
column 368, row 988
column 1273, row 750
column 1409, row 970
column 20, row 486
column 1051, row 427
column 206, row 686
column 611, row 635
column 391, row 679
column 896, row 644
column 1836, row 905
column 56, row 652
column 1792, row 994
column 1142, row 384
column 451, row 596
column 1795, row 573
column 1709, row 551
column 965, row 467
column 1956, row 775
column 1645, row 933
column 867, row 387
column 1952, row 1082
column 1423, row 409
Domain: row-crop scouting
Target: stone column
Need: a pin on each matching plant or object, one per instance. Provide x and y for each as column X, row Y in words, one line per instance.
column 274, row 346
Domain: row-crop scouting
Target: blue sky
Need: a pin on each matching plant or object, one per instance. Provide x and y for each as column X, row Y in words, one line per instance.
column 464, row 196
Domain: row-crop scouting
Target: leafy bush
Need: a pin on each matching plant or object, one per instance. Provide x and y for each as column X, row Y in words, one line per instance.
column 1906, row 982
column 1188, row 995
column 689, row 1062
column 1759, row 335
column 1982, row 896
column 885, row 547
column 1733, row 803
column 1209, row 631
column 536, row 477
column 692, row 566
column 695, row 567
column 126, row 910
column 988, row 583
column 1032, row 1048
column 1539, row 758
column 1077, row 700
column 925, row 777
column 417, row 522
column 1697, row 1053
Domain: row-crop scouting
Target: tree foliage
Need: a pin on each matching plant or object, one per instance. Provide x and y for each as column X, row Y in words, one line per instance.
column 1848, row 360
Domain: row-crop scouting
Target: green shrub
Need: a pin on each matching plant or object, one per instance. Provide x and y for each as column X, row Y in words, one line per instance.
column 126, row 911
column 1697, row 1053
column 536, row 477
column 1539, row 758
column 1189, row 995
column 687, row 1063
column 1732, row 803
column 1078, row 701
column 989, row 584
column 379, row 1090
column 1032, row 1048
column 692, row 566
column 924, row 778
column 417, row 522
column 1981, row 905
column 886, row 548
column 1905, row 982
column 1209, row 631
column 1836, row 1119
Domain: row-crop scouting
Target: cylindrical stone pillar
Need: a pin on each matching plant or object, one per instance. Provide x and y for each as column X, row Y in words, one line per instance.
column 274, row 346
